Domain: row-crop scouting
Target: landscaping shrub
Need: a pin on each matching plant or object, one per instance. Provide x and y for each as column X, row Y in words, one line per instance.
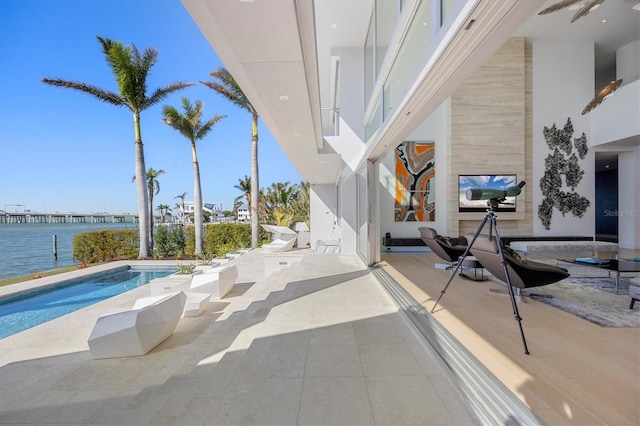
column 169, row 241
column 106, row 245
column 190, row 240
column 223, row 238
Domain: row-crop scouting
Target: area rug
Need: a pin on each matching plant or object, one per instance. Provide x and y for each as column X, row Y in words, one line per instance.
column 590, row 294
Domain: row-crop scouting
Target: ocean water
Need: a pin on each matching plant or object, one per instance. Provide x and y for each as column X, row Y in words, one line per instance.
column 27, row 248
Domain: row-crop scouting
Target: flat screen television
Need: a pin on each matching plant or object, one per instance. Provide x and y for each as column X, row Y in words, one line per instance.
column 476, row 184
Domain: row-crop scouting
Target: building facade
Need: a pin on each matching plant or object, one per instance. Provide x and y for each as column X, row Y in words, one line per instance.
column 386, row 106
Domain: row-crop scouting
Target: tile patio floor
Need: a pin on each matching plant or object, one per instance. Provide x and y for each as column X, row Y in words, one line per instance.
column 319, row 342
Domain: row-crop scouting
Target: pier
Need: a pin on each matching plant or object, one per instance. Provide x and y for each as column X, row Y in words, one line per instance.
column 72, row 217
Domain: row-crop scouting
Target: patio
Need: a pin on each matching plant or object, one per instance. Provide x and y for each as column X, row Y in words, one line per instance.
column 320, row 342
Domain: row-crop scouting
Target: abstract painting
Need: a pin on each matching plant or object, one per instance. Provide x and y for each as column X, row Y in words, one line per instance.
column 415, row 182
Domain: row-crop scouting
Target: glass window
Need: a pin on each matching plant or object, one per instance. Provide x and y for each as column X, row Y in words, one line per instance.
column 411, row 56
column 369, row 61
column 363, row 217
column 386, row 13
column 446, row 7
column 374, row 122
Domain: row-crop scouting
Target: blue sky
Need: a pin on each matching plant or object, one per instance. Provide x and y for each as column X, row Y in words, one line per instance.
column 64, row 150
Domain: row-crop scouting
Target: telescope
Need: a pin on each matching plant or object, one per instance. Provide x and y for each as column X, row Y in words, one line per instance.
column 493, row 193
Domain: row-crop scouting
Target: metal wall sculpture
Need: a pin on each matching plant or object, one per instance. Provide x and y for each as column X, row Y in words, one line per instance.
column 415, row 182
column 563, row 162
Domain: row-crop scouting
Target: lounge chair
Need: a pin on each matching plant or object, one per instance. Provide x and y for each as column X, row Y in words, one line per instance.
column 135, row 332
column 523, row 273
column 283, row 238
column 445, row 248
column 216, row 281
column 279, row 245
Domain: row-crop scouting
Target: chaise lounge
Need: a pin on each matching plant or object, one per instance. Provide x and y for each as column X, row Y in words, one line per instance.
column 215, row 281
column 135, row 332
column 445, row 248
column 283, row 238
column 522, row 273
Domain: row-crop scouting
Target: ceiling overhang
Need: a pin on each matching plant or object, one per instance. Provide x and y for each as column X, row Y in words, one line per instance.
column 269, row 48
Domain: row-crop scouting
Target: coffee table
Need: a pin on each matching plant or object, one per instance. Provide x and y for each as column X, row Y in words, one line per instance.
column 617, row 265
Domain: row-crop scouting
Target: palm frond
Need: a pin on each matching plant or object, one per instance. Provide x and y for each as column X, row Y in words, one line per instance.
column 206, row 127
column 162, row 92
column 101, row 94
column 227, row 86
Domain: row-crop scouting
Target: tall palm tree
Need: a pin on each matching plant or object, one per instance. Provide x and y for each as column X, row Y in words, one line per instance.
column 190, row 126
column 227, row 86
column 180, row 205
column 130, row 69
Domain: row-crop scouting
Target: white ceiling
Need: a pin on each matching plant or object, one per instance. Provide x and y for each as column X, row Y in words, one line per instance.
column 282, row 48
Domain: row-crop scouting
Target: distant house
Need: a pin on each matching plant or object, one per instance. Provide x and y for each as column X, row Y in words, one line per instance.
column 212, row 208
column 243, row 213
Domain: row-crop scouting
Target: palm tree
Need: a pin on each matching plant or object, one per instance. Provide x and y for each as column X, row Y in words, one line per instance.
column 277, row 203
column 164, row 210
column 227, row 86
column 153, row 188
column 244, row 185
column 302, row 203
column 180, row 205
column 130, row 69
column 191, row 127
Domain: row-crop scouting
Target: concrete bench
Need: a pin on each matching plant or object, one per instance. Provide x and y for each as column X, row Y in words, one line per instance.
column 135, row 332
column 531, row 247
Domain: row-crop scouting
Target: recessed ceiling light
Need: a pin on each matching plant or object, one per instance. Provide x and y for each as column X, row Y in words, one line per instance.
column 603, row 21
column 284, row 97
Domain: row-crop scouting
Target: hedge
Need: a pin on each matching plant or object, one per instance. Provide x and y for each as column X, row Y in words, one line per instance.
column 169, row 241
column 106, row 245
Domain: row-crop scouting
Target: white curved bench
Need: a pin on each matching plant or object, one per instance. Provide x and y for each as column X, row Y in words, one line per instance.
column 137, row 331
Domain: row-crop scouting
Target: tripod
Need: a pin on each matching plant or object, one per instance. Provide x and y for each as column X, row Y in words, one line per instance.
column 493, row 228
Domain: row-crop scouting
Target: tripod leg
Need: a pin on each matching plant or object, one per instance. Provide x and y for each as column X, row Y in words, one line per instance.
column 460, row 260
column 514, row 304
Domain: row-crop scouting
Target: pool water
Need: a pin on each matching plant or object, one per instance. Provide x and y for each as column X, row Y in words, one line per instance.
column 26, row 310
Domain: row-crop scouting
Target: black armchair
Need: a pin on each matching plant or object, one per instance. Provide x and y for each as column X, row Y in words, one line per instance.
column 523, row 273
column 447, row 249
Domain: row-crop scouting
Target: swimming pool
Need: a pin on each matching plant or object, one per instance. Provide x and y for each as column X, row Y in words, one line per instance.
column 28, row 309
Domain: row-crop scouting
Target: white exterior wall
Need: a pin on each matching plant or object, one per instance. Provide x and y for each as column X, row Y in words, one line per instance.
column 433, row 129
column 348, row 209
column 629, row 199
column 334, row 208
column 563, row 81
column 324, row 220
